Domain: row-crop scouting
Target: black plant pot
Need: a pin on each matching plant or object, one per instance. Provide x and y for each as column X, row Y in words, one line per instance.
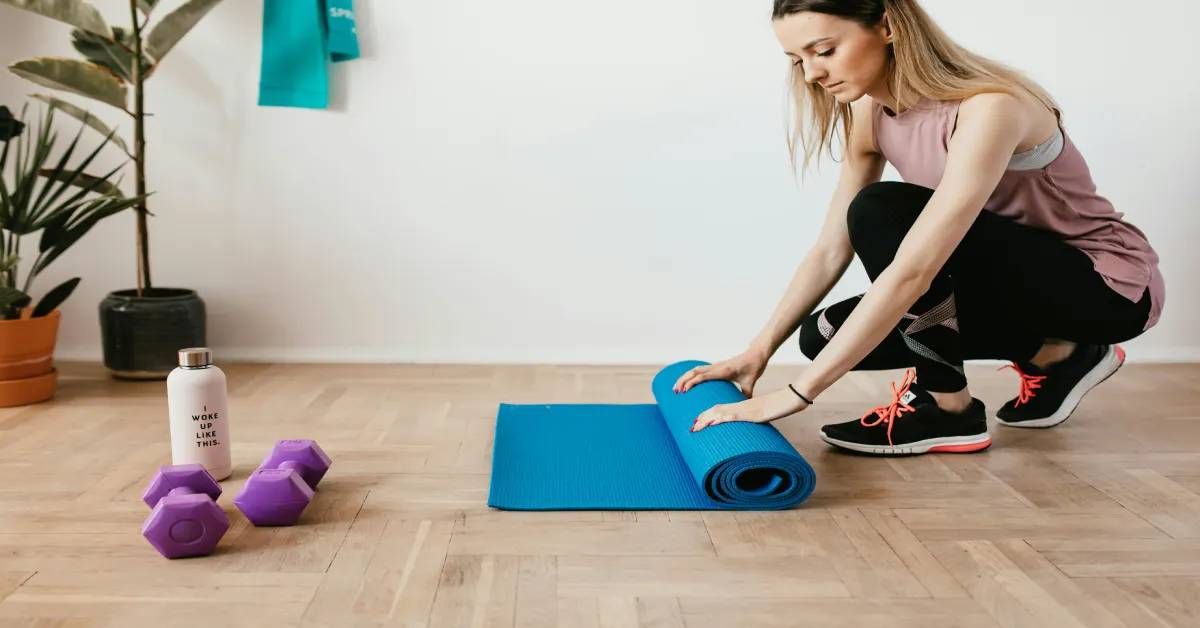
column 142, row 335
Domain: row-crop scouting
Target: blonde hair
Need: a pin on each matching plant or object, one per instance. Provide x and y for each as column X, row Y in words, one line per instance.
column 923, row 63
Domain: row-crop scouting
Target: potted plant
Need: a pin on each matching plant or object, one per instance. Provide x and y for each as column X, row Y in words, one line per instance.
column 45, row 196
column 143, row 327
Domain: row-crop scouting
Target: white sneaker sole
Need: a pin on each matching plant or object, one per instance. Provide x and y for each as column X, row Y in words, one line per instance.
column 1112, row 360
column 946, row 444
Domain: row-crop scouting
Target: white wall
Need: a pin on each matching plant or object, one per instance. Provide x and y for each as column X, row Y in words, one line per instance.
column 539, row 181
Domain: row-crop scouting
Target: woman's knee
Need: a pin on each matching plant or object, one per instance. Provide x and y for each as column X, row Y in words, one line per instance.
column 882, row 209
column 812, row 339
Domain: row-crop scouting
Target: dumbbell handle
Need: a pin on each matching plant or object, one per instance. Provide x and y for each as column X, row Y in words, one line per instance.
column 178, row 490
column 296, row 466
column 300, row 468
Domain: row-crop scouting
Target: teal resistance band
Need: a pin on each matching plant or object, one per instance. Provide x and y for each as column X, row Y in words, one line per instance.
column 300, row 37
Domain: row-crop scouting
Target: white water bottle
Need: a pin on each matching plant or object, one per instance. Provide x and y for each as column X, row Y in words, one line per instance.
column 199, row 413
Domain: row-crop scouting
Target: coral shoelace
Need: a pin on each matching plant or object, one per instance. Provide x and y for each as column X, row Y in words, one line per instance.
column 1029, row 384
column 892, row 411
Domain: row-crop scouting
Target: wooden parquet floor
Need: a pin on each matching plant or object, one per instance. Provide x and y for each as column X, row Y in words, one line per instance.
column 1093, row 523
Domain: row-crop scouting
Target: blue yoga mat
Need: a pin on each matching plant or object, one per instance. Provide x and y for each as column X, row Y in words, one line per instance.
column 643, row 456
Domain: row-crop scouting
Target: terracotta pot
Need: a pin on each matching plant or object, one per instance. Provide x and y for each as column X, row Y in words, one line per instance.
column 27, row 373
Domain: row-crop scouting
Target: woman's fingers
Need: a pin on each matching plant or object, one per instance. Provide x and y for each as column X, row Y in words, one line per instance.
column 685, row 381
column 706, row 372
column 696, row 376
column 712, row 416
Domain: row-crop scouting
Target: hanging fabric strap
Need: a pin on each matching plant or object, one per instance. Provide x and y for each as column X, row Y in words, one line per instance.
column 300, row 38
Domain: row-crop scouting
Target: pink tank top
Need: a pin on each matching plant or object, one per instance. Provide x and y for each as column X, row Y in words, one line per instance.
column 1060, row 197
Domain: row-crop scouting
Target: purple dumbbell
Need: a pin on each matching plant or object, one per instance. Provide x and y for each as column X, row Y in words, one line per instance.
column 185, row 520
column 279, row 489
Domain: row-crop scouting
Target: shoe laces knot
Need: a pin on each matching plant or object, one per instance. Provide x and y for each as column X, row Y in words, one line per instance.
column 888, row 413
column 1029, row 383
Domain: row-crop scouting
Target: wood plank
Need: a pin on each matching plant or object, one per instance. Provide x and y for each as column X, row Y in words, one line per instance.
column 634, row 576
column 986, row 523
column 1085, row 558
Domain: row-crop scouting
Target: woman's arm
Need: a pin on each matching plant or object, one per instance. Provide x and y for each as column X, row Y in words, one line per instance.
column 989, row 128
column 831, row 254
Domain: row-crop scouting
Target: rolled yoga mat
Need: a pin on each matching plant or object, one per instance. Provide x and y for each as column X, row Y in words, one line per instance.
column 643, row 456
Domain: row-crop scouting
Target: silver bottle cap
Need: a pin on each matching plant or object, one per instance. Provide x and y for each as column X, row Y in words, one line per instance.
column 195, row 357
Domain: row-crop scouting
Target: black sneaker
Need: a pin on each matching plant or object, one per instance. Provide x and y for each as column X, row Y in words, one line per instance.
column 912, row 424
column 1048, row 396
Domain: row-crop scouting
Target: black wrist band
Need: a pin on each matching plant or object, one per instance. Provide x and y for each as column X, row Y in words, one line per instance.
column 806, row 399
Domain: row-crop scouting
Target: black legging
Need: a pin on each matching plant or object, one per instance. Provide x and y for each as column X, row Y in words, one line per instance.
column 1004, row 290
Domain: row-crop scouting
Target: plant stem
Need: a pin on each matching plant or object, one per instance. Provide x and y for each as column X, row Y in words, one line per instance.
column 10, row 275
column 14, row 274
column 30, row 276
column 139, row 152
column 14, row 249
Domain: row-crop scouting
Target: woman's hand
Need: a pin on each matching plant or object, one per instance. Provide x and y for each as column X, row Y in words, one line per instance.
column 760, row 409
column 743, row 369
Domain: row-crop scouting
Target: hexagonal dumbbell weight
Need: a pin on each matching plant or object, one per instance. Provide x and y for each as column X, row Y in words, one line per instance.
column 279, row 490
column 185, row 520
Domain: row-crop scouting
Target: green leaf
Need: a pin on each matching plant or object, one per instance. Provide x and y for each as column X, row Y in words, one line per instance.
column 45, row 212
column 93, row 214
column 55, row 297
column 72, row 75
column 83, row 180
column 32, row 154
column 11, row 301
column 55, row 227
column 175, row 25
column 5, row 199
column 146, row 6
column 55, row 172
column 45, row 203
column 83, row 116
column 8, row 263
column 114, row 54
column 74, row 12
